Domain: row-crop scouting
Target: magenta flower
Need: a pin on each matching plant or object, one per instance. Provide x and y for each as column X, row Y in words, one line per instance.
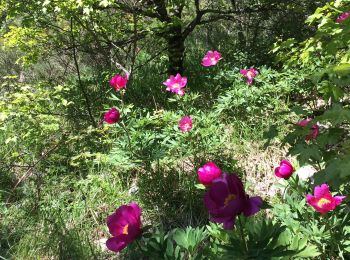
column 185, row 124
column 226, row 199
column 112, row 116
column 342, row 17
column 211, row 58
column 304, row 122
column 285, row 170
column 176, row 84
column 118, row 82
column 314, row 131
column 250, row 74
column 323, row 201
column 208, row 173
column 124, row 225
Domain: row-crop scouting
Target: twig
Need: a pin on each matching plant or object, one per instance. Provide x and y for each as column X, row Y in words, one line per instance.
column 118, row 65
column 150, row 59
column 30, row 171
column 82, row 88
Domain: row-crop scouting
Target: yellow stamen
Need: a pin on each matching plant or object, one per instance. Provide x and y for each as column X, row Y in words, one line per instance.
column 322, row 202
column 176, row 85
column 229, row 198
column 125, row 229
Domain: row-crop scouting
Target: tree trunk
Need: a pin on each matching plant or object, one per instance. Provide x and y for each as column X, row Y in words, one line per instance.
column 176, row 50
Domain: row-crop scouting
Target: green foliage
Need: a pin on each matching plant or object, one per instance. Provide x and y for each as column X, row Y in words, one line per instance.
column 63, row 171
column 271, row 91
column 176, row 244
column 190, row 239
column 326, row 56
column 326, row 234
column 267, row 240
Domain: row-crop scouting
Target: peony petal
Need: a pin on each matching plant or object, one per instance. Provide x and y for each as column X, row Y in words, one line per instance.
column 277, row 172
column 136, row 208
column 229, row 224
column 208, row 173
column 253, row 206
column 304, row 122
column 309, row 198
column 180, row 92
column 321, row 191
column 211, row 206
column 338, row 199
column 206, row 62
column 235, row 185
column 285, row 170
column 249, row 80
column 116, row 244
column 243, row 72
column 227, row 221
column 218, row 192
column 177, row 77
column 183, row 81
column 234, row 207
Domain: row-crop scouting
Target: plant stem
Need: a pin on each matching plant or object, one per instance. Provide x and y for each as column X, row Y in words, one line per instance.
column 242, row 232
column 122, row 123
column 127, row 134
column 138, row 245
column 329, row 221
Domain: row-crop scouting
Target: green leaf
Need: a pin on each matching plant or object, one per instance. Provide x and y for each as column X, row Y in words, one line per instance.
column 336, row 115
column 309, row 251
column 200, row 186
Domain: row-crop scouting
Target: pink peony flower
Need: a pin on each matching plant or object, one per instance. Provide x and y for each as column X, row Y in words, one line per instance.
column 250, row 74
column 176, row 84
column 304, row 122
column 118, row 82
column 124, row 225
column 314, row 131
column 185, row 124
column 209, row 172
column 226, row 199
column 112, row 116
column 285, row 170
column 342, row 17
column 323, row 201
column 211, row 58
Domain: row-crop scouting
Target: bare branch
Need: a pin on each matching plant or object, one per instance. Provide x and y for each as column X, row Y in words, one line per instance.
column 217, row 15
column 119, row 66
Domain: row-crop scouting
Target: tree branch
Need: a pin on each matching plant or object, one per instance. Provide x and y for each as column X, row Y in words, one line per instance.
column 135, row 9
column 219, row 15
column 82, row 88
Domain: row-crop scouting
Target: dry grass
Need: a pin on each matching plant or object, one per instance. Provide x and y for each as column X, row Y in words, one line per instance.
column 258, row 164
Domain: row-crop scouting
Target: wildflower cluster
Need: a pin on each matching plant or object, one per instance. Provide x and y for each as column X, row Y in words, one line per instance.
column 225, row 197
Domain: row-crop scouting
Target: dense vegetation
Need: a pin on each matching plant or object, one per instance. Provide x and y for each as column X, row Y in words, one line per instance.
column 225, row 122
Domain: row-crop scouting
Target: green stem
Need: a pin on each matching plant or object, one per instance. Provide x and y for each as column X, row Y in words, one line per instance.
column 122, row 123
column 127, row 134
column 332, row 238
column 138, row 245
column 242, row 233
